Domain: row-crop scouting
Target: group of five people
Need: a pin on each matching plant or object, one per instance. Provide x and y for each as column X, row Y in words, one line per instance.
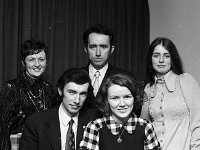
column 101, row 106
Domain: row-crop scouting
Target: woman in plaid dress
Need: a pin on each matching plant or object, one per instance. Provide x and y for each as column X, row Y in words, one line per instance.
column 119, row 128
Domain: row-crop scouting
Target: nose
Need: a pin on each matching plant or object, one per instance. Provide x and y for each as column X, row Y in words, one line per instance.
column 161, row 59
column 98, row 51
column 121, row 102
column 37, row 63
column 77, row 98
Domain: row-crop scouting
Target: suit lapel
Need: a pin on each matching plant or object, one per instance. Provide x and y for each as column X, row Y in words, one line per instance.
column 83, row 119
column 53, row 130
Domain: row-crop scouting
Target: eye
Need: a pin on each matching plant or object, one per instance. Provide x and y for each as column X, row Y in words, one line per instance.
column 167, row 56
column 83, row 94
column 127, row 97
column 92, row 46
column 71, row 92
column 104, row 46
column 155, row 55
column 42, row 59
column 114, row 98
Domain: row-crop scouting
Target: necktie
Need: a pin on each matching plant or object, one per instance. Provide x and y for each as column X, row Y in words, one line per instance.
column 70, row 140
column 96, row 82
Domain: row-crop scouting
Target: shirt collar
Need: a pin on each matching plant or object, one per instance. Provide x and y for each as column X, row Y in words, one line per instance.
column 102, row 71
column 64, row 118
column 115, row 127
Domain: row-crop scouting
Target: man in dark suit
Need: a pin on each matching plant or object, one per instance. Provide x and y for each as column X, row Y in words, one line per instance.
column 99, row 45
column 49, row 130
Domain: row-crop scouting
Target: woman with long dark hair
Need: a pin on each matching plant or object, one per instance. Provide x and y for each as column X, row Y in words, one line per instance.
column 173, row 103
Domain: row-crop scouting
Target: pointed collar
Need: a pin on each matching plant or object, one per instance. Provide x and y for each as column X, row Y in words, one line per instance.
column 170, row 80
column 102, row 71
column 115, row 127
column 64, row 118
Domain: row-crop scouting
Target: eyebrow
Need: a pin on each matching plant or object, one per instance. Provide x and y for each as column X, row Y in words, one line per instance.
column 98, row 45
column 160, row 53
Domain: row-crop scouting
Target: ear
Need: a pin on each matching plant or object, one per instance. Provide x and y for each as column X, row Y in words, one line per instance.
column 59, row 91
column 85, row 49
column 112, row 49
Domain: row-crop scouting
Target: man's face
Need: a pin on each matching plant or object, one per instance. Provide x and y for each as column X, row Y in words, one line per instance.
column 74, row 96
column 99, row 50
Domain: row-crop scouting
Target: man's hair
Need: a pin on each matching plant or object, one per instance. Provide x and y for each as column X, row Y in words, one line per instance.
column 100, row 29
column 76, row 75
column 121, row 79
column 31, row 47
column 176, row 63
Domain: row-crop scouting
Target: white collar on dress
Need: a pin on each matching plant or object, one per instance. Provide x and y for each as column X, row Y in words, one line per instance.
column 170, row 80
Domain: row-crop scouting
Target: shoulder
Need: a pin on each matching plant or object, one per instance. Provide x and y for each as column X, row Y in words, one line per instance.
column 11, row 84
column 44, row 115
column 141, row 121
column 187, row 81
column 145, row 124
column 115, row 70
column 46, row 83
column 90, row 113
column 96, row 124
column 186, row 77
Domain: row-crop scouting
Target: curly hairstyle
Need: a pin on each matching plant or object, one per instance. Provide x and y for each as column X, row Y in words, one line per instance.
column 125, row 80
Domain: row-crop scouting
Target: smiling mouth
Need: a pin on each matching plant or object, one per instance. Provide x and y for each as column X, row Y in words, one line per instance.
column 75, row 106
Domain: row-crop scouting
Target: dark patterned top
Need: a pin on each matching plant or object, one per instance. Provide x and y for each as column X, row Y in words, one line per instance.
column 106, row 134
column 18, row 99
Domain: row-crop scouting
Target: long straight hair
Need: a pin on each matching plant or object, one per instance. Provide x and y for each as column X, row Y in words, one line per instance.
column 176, row 63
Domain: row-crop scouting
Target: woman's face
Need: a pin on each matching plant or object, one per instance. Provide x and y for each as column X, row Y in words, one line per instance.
column 35, row 64
column 121, row 102
column 161, row 60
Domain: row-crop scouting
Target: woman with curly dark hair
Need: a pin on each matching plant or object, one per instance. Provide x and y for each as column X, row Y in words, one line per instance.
column 25, row 95
column 119, row 128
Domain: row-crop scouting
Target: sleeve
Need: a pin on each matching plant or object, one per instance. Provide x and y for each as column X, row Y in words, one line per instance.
column 6, row 108
column 90, row 139
column 145, row 105
column 191, row 93
column 151, row 141
column 28, row 139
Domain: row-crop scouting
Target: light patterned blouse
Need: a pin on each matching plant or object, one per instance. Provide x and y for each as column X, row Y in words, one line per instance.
column 173, row 106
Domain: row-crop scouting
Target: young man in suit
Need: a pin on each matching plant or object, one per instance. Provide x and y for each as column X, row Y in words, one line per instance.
column 99, row 45
column 49, row 130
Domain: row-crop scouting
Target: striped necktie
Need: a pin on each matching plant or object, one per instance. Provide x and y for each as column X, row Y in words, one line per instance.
column 96, row 82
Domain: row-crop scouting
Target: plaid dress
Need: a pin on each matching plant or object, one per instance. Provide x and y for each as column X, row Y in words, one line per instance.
column 136, row 132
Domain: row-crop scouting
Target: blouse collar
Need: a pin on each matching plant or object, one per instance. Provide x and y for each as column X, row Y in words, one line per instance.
column 169, row 80
column 115, row 127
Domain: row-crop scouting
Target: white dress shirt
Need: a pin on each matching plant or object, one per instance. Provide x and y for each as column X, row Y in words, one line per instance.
column 92, row 72
column 64, row 120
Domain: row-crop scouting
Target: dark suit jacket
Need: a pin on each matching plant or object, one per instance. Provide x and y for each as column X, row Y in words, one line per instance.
column 42, row 130
column 112, row 70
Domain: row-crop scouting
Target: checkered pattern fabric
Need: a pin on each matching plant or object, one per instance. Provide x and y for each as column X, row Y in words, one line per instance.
column 70, row 139
column 14, row 139
column 91, row 134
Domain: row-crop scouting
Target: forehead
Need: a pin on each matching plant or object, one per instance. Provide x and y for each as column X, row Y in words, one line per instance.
column 160, row 49
column 98, row 38
column 40, row 54
column 118, row 90
column 76, row 87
